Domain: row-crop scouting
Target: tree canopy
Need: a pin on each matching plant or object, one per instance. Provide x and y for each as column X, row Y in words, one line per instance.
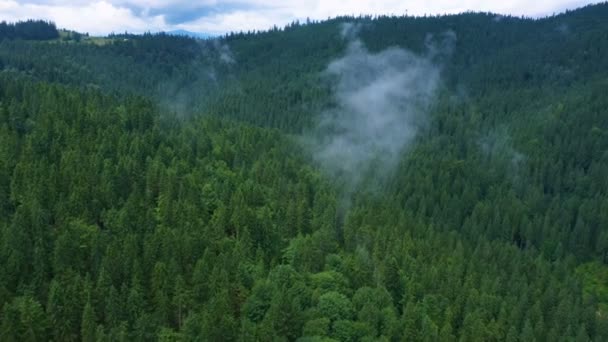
column 155, row 187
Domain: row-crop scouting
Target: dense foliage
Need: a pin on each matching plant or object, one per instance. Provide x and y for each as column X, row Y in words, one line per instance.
column 154, row 188
column 28, row 30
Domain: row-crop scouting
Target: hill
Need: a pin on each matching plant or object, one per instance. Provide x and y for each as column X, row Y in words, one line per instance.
column 356, row 179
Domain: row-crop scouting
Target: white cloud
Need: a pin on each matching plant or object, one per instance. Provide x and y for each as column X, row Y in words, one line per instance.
column 220, row 16
column 100, row 17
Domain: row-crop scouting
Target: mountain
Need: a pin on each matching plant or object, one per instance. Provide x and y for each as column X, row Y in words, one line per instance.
column 356, row 179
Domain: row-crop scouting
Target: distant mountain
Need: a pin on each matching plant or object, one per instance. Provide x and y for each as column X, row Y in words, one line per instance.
column 190, row 34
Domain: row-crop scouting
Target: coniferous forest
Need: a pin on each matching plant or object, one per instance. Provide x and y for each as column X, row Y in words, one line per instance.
column 392, row 178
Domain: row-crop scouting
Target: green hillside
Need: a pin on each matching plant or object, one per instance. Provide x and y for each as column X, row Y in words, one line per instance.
column 356, row 179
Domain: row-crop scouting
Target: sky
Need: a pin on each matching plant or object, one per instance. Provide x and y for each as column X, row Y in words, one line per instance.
column 217, row 17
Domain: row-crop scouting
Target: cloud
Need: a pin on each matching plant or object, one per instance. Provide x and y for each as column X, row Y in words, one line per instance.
column 350, row 31
column 107, row 17
column 225, row 54
column 221, row 16
column 382, row 99
column 498, row 147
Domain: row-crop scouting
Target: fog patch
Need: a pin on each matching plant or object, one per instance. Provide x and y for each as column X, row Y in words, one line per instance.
column 440, row 46
column 188, row 92
column 224, row 53
column 381, row 100
column 498, row 146
column 350, row 31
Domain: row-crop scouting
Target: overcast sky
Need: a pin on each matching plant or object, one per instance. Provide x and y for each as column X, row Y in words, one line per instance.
column 221, row 16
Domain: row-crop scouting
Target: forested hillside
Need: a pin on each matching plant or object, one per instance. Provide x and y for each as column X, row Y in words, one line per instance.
column 356, row 179
column 28, row 30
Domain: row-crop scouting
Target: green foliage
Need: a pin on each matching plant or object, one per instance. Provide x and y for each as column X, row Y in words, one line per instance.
column 123, row 216
column 594, row 276
column 28, row 30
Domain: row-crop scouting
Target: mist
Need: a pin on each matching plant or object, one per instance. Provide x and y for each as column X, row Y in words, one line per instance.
column 382, row 99
column 498, row 146
column 224, row 52
column 184, row 95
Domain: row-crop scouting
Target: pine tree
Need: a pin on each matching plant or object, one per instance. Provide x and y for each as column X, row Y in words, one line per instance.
column 88, row 327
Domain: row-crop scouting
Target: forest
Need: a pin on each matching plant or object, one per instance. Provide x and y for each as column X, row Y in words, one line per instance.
column 270, row 186
column 28, row 30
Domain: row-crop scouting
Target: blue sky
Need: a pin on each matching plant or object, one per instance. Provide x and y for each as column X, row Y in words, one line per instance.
column 221, row 16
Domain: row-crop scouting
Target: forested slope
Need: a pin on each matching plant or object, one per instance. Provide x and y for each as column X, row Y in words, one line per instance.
column 163, row 188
